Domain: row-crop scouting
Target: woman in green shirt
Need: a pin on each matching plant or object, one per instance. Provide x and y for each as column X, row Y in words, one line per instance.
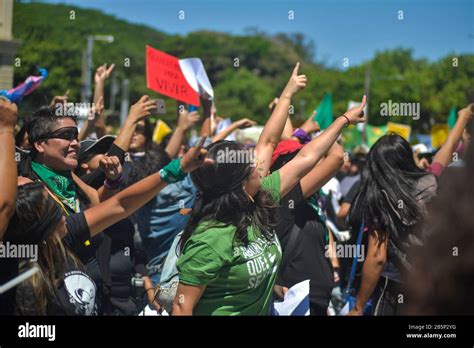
column 230, row 253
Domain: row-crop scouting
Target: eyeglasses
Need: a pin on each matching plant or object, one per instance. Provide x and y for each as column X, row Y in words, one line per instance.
column 66, row 133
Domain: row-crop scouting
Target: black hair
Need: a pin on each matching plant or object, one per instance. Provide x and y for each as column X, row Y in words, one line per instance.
column 389, row 177
column 36, row 217
column 222, row 201
column 44, row 121
column 148, row 133
column 359, row 160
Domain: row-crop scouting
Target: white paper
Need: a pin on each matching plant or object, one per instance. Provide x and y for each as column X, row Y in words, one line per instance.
column 194, row 72
column 294, row 296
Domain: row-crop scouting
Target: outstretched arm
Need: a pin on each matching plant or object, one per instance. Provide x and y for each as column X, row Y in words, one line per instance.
column 276, row 123
column 323, row 171
column 132, row 198
column 8, row 174
column 292, row 172
column 243, row 123
column 445, row 155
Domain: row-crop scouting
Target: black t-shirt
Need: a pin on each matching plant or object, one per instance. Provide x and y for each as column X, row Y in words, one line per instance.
column 8, row 271
column 76, row 293
column 308, row 260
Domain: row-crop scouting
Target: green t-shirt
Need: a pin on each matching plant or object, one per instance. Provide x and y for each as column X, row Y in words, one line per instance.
column 239, row 279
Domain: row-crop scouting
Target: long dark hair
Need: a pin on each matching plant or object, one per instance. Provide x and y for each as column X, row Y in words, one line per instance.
column 388, row 179
column 222, row 201
column 36, row 217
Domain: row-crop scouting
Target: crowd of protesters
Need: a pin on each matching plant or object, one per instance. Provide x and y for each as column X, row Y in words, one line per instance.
column 122, row 223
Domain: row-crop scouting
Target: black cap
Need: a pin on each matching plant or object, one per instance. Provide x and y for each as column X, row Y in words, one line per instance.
column 96, row 147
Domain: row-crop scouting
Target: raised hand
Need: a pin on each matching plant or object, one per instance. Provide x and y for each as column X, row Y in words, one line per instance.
column 245, row 123
column 195, row 157
column 467, row 112
column 273, row 103
column 8, row 114
column 356, row 114
column 59, row 99
column 296, row 82
column 310, row 125
column 96, row 109
column 141, row 109
column 102, row 73
column 187, row 119
column 111, row 167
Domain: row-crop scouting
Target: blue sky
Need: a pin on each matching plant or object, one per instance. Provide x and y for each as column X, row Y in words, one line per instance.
column 355, row 29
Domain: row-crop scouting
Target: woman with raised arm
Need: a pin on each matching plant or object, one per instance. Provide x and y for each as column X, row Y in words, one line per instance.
column 230, row 252
column 62, row 286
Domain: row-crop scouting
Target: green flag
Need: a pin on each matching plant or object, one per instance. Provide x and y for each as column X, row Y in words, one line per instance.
column 352, row 137
column 374, row 133
column 324, row 115
column 452, row 118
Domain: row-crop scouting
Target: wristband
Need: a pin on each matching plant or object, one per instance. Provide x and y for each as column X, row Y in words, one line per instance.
column 172, row 172
column 302, row 136
column 113, row 184
column 347, row 119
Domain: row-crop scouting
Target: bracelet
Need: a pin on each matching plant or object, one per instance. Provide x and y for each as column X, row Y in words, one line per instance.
column 347, row 119
column 172, row 172
column 302, row 136
column 113, row 184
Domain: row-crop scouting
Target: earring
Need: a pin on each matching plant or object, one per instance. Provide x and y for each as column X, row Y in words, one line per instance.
column 248, row 195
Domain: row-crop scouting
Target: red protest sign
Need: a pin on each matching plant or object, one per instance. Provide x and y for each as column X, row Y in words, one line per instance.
column 164, row 75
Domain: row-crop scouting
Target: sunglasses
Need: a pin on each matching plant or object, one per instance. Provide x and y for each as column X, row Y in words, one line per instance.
column 66, row 133
column 140, row 129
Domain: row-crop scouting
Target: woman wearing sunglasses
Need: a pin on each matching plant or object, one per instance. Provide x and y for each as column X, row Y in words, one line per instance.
column 62, row 286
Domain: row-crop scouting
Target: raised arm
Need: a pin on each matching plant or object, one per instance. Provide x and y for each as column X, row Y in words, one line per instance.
column 8, row 173
column 292, row 172
column 101, row 75
column 323, row 171
column 126, row 202
column 242, row 123
column 138, row 111
column 276, row 123
column 186, row 120
column 445, row 155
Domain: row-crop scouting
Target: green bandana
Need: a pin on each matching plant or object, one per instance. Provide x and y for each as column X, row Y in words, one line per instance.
column 62, row 186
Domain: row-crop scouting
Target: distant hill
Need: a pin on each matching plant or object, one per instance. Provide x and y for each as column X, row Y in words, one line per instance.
column 52, row 39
